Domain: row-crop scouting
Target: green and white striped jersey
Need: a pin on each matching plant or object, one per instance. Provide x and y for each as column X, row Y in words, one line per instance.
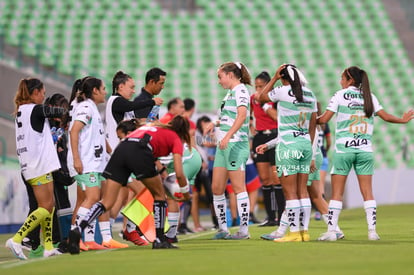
column 293, row 117
column 353, row 129
column 237, row 97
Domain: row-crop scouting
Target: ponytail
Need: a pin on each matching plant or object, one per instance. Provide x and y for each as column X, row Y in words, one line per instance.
column 361, row 81
column 291, row 74
column 181, row 126
column 119, row 78
column 25, row 90
column 239, row 70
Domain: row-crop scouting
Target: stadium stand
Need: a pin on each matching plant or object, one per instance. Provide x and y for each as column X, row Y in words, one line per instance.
column 322, row 37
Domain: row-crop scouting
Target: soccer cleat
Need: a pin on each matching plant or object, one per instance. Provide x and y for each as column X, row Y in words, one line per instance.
column 36, row 253
column 269, row 223
column 305, row 235
column 94, row 246
column 82, row 246
column 340, row 235
column 111, row 244
column 328, row 236
column 134, row 237
column 238, row 236
column 73, row 241
column 16, row 249
column 50, row 253
column 172, row 240
column 221, row 234
column 272, row 236
column 290, row 237
column 26, row 244
column 162, row 245
column 184, row 230
column 373, row 236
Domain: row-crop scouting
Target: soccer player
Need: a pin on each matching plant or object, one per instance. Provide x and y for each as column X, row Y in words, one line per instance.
column 296, row 105
column 147, row 142
column 86, row 156
column 233, row 148
column 38, row 159
column 355, row 107
column 266, row 129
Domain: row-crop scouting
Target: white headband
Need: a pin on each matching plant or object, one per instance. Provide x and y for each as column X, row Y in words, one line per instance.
column 303, row 80
column 238, row 64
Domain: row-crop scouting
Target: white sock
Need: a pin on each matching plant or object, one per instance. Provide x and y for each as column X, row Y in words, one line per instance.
column 334, row 210
column 325, row 219
column 173, row 218
column 130, row 226
column 293, row 212
column 112, row 221
column 284, row 224
column 105, row 228
column 220, row 207
column 243, row 208
column 89, row 232
column 371, row 213
column 305, row 213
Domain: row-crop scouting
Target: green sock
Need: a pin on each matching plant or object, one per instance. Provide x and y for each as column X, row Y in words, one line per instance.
column 30, row 223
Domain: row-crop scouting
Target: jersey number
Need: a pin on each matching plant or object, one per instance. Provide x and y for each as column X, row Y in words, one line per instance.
column 358, row 124
column 19, row 124
column 302, row 119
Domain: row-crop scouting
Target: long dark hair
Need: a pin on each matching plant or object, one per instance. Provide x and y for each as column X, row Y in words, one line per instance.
column 129, row 125
column 264, row 76
column 295, row 83
column 181, row 126
column 88, row 85
column 361, row 81
column 59, row 100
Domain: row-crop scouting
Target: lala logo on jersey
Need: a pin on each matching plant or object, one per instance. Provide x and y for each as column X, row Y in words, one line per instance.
column 356, row 142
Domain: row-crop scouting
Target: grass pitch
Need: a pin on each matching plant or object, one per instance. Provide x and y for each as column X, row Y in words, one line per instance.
column 198, row 254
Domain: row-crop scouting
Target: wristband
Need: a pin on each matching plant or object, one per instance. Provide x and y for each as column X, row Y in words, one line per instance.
column 162, row 170
column 185, row 189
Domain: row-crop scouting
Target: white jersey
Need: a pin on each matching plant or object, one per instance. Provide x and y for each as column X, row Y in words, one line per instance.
column 36, row 151
column 235, row 98
column 111, row 123
column 293, row 117
column 353, row 129
column 91, row 145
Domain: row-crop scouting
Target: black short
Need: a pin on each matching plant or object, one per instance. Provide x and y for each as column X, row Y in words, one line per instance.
column 130, row 157
column 269, row 155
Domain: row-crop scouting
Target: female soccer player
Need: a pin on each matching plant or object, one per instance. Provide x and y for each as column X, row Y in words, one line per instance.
column 355, row 107
column 296, row 105
column 86, row 155
column 266, row 129
column 148, row 142
column 233, row 148
column 38, row 159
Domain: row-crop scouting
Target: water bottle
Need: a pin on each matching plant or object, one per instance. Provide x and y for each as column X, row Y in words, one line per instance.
column 153, row 114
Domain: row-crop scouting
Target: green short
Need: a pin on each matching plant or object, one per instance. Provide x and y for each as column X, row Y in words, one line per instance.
column 234, row 157
column 363, row 163
column 91, row 179
column 316, row 175
column 192, row 166
column 293, row 158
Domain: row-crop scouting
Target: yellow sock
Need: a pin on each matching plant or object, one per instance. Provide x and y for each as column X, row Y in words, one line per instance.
column 47, row 225
column 30, row 223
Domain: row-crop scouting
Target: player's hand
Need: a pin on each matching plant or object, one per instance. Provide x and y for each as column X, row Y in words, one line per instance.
column 158, row 100
column 312, row 167
column 407, row 116
column 261, row 149
column 185, row 197
column 77, row 164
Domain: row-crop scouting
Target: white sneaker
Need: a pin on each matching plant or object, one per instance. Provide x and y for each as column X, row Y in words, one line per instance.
column 328, row 236
column 373, row 236
column 16, row 249
column 50, row 253
column 340, row 235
